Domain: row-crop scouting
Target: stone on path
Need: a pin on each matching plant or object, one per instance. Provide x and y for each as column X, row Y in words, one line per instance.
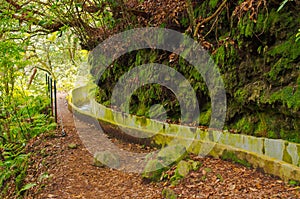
column 106, row 159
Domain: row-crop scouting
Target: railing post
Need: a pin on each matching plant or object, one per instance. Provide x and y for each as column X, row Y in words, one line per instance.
column 48, row 84
column 51, row 91
column 51, row 96
column 55, row 101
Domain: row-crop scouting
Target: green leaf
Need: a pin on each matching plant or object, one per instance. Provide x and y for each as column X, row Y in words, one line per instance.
column 282, row 5
column 27, row 186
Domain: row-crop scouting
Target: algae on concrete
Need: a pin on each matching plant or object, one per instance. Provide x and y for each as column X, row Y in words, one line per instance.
column 274, row 148
column 293, row 150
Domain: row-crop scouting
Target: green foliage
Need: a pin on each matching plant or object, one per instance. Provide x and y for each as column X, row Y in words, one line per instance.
column 59, row 53
column 294, row 182
column 213, row 3
column 143, row 98
column 257, row 56
column 21, row 125
column 283, row 4
column 26, row 46
column 289, row 96
column 246, row 26
column 266, row 100
column 25, row 118
column 220, row 55
column 245, row 125
column 298, row 36
column 285, row 54
column 220, row 177
column 26, row 187
column 205, row 117
column 24, row 114
column 252, row 43
column 13, row 164
column 288, row 49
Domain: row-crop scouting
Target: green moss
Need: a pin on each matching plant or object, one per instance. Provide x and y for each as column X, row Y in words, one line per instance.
column 220, row 55
column 227, row 155
column 259, row 61
column 72, row 146
column 108, row 115
column 213, row 3
column 262, row 127
column 245, row 125
column 294, row 182
column 289, row 96
column 182, row 170
column 168, row 193
column 241, row 95
column 249, row 29
column 142, row 121
column 292, row 136
column 286, row 156
column 205, row 117
column 161, row 140
column 298, row 150
column 261, row 22
column 195, row 165
column 141, row 110
column 195, row 147
column 172, row 154
column 153, row 170
column 271, row 134
column 289, row 48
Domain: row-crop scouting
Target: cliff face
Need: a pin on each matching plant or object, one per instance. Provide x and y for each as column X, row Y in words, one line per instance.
column 254, row 46
column 261, row 71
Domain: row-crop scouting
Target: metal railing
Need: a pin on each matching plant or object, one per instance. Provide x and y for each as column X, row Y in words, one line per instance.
column 52, row 93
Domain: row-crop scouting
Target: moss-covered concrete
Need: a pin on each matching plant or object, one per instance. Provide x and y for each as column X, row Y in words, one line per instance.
column 273, row 156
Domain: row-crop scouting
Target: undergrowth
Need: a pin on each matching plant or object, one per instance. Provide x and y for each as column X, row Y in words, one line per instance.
column 25, row 118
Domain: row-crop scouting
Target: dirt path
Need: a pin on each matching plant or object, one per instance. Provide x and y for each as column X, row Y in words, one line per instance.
column 63, row 168
column 72, row 174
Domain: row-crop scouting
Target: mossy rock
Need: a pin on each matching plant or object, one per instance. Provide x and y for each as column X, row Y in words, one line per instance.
column 168, row 193
column 165, row 158
column 172, row 154
column 194, row 165
column 106, row 159
column 153, row 170
column 183, row 168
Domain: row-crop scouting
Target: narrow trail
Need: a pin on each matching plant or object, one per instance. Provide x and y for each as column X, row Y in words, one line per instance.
column 73, row 175
column 64, row 168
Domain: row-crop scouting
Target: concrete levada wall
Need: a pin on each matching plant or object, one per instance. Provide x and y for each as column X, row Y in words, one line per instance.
column 277, row 157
